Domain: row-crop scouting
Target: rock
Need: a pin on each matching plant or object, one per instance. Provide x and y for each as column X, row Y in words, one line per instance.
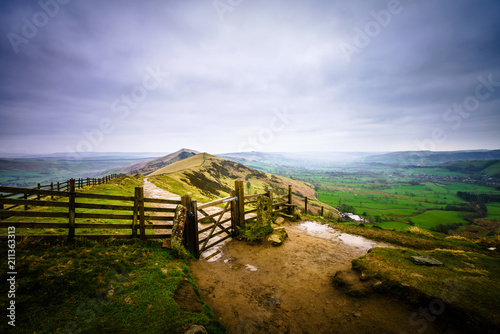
column 426, row 261
column 280, row 220
column 278, row 237
column 275, row 239
column 356, row 314
column 196, row 329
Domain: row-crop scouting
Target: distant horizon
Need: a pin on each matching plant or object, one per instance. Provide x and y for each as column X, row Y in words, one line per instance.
column 5, row 154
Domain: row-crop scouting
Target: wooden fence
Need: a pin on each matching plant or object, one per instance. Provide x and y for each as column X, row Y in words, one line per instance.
column 71, row 207
column 54, row 186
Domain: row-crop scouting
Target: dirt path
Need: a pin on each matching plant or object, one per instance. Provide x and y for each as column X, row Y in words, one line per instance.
column 152, row 191
column 287, row 289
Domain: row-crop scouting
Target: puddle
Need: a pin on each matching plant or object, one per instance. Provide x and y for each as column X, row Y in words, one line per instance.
column 250, row 267
column 324, row 231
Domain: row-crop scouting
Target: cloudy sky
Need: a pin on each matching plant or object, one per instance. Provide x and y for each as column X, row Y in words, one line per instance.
column 242, row 75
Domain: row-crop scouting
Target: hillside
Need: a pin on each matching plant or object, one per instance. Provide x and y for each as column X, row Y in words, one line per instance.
column 432, row 158
column 488, row 167
column 206, row 177
column 150, row 166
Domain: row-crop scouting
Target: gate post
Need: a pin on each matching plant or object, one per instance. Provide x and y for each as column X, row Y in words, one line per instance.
column 240, row 192
column 269, row 193
column 234, row 215
column 191, row 240
column 290, row 208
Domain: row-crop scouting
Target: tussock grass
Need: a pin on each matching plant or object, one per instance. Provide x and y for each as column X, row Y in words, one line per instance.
column 419, row 230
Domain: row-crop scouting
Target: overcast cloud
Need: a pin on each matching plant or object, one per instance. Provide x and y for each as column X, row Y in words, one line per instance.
column 233, row 75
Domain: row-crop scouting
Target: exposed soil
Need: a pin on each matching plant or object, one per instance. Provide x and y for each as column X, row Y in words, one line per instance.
column 287, row 289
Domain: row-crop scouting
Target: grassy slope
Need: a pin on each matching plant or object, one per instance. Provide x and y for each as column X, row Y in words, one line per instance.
column 467, row 283
column 108, row 286
column 205, row 177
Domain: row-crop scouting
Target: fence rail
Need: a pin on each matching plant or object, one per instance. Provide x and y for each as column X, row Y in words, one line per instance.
column 72, row 207
column 131, row 208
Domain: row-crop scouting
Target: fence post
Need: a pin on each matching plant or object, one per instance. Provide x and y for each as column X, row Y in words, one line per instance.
column 322, row 212
column 234, row 215
column 269, row 193
column 290, row 208
column 38, row 196
column 136, row 212
column 305, row 207
column 240, row 192
column 52, row 189
column 25, row 197
column 72, row 210
column 58, row 186
column 140, row 201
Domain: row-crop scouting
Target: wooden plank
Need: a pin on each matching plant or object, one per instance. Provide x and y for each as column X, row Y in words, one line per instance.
column 162, row 201
column 212, row 215
column 215, row 243
column 101, row 216
column 211, row 226
column 218, row 201
column 254, row 196
column 159, row 210
column 280, row 203
column 29, row 191
column 284, row 214
column 104, row 207
column 225, row 230
column 107, row 197
column 33, row 225
column 40, row 214
column 160, row 218
column 251, row 211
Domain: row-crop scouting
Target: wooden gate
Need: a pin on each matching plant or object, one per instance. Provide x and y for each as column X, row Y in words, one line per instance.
column 217, row 221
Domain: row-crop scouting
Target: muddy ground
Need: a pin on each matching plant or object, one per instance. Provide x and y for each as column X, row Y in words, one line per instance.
column 287, row 289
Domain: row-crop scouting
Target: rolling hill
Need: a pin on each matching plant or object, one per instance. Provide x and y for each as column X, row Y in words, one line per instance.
column 206, row 177
column 150, row 166
column 432, row 158
column 487, row 167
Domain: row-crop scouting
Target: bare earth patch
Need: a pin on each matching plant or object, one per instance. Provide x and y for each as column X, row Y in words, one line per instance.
column 264, row 289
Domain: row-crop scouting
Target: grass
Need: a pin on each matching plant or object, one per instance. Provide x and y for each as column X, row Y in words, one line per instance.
column 467, row 283
column 112, row 286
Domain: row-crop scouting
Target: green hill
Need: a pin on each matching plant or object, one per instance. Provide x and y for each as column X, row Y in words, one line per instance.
column 488, row 167
column 206, row 177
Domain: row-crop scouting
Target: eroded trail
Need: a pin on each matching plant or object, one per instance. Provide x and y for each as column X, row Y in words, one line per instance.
column 287, row 289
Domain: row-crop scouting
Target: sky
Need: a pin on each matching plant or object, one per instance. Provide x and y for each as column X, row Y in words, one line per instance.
column 238, row 75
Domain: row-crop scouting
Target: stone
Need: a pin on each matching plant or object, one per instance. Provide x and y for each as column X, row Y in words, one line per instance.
column 196, row 329
column 426, row 261
column 280, row 220
column 275, row 239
